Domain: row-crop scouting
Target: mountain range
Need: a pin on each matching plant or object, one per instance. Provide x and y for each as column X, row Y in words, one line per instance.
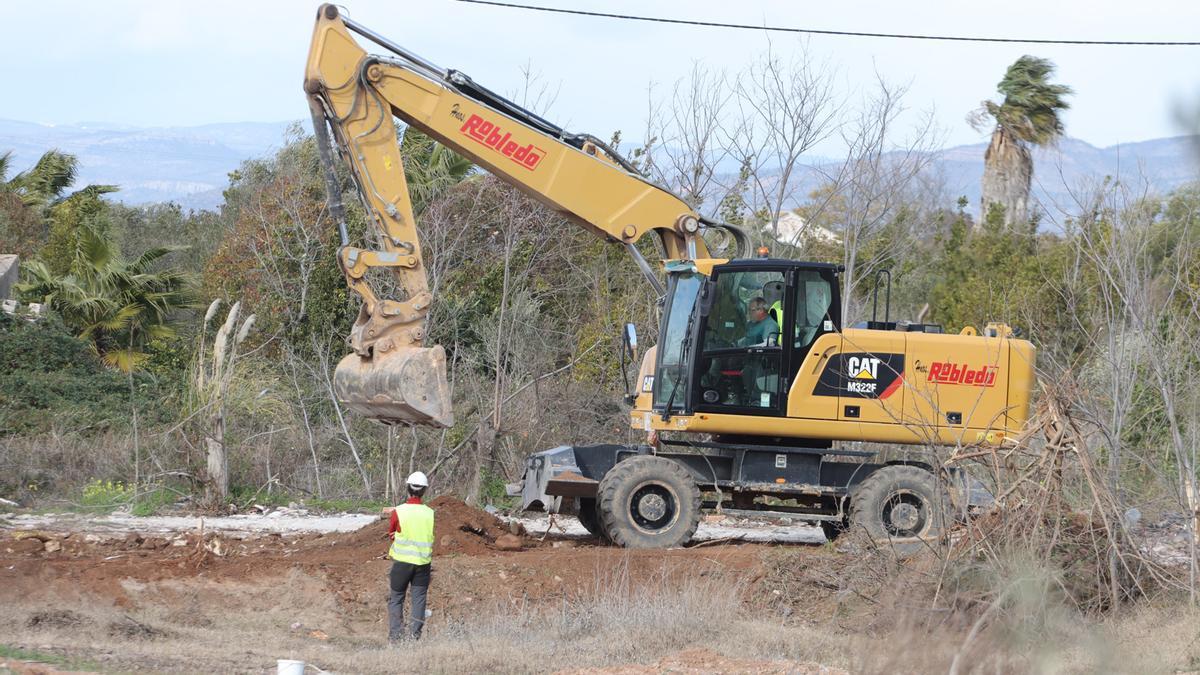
column 190, row 165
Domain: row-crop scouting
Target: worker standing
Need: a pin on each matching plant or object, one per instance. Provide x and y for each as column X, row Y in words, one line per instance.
column 411, row 531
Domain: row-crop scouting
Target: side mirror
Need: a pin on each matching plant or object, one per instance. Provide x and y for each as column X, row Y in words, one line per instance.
column 628, row 356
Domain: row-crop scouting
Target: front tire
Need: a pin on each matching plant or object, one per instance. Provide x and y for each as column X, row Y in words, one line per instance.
column 588, row 512
column 900, row 503
column 649, row 502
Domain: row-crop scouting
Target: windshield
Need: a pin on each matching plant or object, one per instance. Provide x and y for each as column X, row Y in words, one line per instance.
column 671, row 381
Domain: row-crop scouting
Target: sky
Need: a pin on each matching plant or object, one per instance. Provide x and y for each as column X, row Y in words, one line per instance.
column 168, row 63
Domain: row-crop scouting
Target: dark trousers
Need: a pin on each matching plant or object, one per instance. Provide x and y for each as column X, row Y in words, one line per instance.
column 402, row 576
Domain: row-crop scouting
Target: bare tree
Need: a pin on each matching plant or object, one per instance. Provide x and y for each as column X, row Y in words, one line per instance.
column 786, row 108
column 688, row 135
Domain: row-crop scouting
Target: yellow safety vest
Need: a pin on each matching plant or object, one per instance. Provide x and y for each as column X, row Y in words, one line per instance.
column 414, row 542
column 776, row 313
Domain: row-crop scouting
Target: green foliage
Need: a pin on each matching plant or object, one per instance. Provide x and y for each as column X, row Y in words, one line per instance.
column 43, row 184
column 278, row 249
column 53, row 381
column 1031, row 106
column 70, row 222
column 493, row 490
column 430, row 168
column 16, row 653
column 105, row 494
column 117, row 306
column 153, row 501
column 994, row 274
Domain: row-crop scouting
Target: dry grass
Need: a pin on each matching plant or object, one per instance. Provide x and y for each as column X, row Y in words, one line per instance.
column 198, row 626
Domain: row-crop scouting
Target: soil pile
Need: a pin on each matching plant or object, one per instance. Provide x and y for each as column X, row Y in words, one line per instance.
column 458, row 528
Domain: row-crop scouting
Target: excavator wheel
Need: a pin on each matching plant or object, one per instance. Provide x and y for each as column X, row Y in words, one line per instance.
column 832, row 529
column 589, row 516
column 649, row 502
column 901, row 505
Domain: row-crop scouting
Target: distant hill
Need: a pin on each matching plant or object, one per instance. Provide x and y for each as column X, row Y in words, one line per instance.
column 187, row 165
column 1163, row 163
column 190, row 165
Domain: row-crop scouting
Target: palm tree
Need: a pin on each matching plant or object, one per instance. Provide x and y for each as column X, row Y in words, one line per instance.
column 43, row 184
column 117, row 306
column 1028, row 116
column 430, row 168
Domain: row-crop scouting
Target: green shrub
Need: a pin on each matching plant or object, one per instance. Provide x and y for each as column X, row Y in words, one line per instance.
column 53, row 381
column 106, row 494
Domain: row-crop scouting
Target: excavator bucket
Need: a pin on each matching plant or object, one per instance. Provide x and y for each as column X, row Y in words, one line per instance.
column 401, row 386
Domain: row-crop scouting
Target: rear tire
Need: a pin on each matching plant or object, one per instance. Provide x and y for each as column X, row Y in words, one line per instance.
column 649, row 502
column 900, row 504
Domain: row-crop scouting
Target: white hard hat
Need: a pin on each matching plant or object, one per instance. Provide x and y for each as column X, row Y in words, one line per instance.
column 418, row 479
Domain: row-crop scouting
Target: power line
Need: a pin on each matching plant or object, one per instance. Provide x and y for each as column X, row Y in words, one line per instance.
column 843, row 33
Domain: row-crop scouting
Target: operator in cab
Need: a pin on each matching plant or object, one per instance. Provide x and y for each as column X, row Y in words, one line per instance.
column 761, row 329
column 411, row 532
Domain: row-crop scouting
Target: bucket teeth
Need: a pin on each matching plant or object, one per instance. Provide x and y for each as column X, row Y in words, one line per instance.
column 403, row 386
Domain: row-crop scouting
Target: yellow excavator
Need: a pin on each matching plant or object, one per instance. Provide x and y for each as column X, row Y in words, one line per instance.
column 754, row 377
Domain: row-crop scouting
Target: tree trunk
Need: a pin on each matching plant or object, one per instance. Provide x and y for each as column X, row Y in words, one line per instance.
column 1007, row 176
column 218, row 462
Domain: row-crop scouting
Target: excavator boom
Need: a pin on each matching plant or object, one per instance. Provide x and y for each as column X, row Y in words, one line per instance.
column 392, row 376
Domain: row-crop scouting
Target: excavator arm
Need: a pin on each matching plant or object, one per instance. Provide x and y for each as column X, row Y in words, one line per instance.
column 391, row 376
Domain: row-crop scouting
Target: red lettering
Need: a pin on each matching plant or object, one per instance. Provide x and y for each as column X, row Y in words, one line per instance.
column 471, row 125
column 494, row 137
column 962, row 373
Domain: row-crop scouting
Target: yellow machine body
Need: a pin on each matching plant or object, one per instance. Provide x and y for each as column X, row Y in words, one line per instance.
column 884, row 385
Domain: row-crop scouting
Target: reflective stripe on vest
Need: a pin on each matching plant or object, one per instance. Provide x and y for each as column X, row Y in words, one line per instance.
column 776, row 313
column 414, row 542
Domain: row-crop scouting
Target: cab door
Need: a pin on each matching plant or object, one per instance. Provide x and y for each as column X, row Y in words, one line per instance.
column 741, row 364
column 815, row 317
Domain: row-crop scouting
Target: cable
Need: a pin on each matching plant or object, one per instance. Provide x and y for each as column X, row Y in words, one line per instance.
column 842, row 33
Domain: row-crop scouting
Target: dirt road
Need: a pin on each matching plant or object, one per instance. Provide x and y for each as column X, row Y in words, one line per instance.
column 75, row 584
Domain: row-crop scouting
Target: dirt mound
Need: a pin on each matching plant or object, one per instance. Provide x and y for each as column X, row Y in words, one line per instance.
column 458, row 529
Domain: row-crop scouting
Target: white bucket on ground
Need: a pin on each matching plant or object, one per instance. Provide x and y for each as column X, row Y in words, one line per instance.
column 289, row 667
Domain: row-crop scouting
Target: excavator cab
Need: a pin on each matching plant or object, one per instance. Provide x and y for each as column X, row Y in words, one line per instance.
column 720, row 353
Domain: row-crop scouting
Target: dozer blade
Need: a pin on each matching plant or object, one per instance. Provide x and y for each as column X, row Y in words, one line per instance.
column 401, row 386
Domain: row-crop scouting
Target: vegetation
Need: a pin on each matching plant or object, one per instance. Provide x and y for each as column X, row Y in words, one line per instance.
column 1028, row 116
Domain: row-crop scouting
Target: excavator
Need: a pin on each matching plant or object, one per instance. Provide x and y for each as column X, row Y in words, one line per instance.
column 756, row 393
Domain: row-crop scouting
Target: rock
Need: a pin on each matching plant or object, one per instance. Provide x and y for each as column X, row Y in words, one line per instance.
column 563, row 544
column 91, row 539
column 503, row 575
column 714, row 518
column 27, row 545
column 558, row 579
column 509, row 542
column 153, row 543
column 179, row 542
column 491, row 509
column 133, row 540
column 53, row 546
column 516, row 528
column 30, row 534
